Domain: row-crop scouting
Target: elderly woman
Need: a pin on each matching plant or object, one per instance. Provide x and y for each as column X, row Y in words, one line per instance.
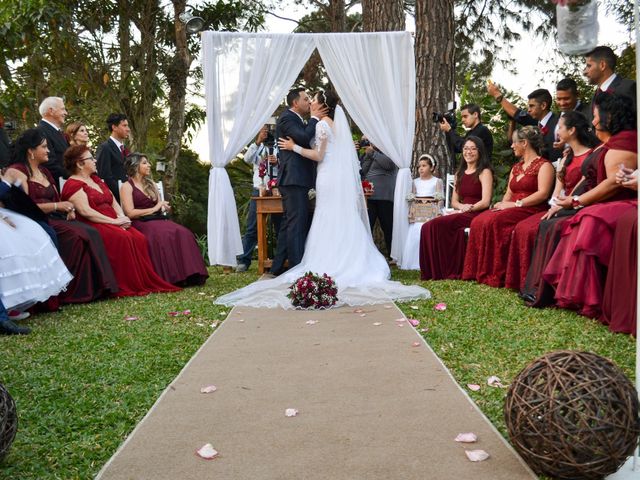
column 77, row 134
column 79, row 244
column 443, row 241
column 125, row 246
column 529, row 187
column 172, row 247
column 32, row 270
column 587, row 239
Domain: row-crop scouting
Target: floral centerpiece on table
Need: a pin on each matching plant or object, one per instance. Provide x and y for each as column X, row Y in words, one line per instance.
column 313, row 291
column 367, row 187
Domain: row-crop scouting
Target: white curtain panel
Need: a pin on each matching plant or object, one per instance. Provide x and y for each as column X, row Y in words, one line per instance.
column 374, row 74
column 246, row 76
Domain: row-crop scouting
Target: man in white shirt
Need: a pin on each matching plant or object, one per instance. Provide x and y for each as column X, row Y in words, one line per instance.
column 53, row 113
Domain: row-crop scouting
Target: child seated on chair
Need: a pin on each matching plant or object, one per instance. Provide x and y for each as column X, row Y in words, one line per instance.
column 426, row 203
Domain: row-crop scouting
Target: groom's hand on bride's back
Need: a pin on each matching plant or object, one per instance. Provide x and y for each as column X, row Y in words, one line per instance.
column 318, row 110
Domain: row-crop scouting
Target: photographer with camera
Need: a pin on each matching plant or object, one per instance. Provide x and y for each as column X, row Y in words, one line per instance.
column 261, row 155
column 470, row 115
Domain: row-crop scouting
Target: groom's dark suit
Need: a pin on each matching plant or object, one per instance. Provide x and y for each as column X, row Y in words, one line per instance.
column 297, row 175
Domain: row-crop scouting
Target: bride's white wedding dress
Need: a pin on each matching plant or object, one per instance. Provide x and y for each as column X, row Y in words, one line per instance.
column 339, row 241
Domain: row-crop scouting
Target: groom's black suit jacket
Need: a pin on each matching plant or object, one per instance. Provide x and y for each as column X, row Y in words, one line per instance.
column 57, row 144
column 294, row 169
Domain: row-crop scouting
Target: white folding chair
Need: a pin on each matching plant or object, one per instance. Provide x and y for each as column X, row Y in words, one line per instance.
column 160, row 188
column 451, row 183
column 61, row 181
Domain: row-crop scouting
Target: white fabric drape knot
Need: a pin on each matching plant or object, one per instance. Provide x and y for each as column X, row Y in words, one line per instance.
column 246, row 76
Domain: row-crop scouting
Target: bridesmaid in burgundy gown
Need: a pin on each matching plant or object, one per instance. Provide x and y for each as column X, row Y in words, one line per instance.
column 172, row 247
column 573, row 130
column 442, row 240
column 587, row 239
column 125, row 246
column 79, row 244
column 530, row 183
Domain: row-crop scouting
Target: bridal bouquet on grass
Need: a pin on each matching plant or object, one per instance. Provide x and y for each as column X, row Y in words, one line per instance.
column 313, row 291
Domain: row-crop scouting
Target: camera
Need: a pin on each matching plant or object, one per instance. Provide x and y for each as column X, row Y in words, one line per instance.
column 10, row 125
column 449, row 115
column 270, row 140
column 364, row 143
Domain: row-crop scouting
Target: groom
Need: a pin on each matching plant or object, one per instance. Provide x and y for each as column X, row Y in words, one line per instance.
column 297, row 176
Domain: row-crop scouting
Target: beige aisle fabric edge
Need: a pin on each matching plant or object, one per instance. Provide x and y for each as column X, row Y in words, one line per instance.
column 372, row 406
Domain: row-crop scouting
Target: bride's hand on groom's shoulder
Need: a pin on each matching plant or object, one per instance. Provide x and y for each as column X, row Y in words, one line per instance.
column 286, row 143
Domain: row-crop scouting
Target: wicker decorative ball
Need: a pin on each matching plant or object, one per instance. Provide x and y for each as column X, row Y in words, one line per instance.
column 572, row 415
column 8, row 421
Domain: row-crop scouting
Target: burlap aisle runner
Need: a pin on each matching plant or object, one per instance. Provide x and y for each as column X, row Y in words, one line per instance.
column 372, row 405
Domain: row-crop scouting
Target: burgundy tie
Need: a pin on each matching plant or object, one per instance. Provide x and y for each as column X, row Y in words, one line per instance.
column 122, row 150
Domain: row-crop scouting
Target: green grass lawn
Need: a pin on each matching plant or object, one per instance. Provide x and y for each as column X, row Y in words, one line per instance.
column 86, row 376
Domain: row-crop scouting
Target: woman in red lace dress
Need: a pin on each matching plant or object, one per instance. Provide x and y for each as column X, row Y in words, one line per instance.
column 125, row 246
column 574, row 130
column 587, row 239
column 172, row 247
column 442, row 240
column 529, row 187
column 79, row 244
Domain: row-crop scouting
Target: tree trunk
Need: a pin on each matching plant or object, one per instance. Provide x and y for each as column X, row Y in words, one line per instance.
column 435, row 73
column 337, row 15
column 177, row 74
column 382, row 15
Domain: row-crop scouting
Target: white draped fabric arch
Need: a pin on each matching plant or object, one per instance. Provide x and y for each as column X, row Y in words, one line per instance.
column 248, row 74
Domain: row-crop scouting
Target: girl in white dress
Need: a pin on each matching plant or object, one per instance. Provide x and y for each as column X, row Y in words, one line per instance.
column 426, row 185
column 339, row 242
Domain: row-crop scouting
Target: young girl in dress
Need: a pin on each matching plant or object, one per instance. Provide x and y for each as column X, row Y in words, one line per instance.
column 426, row 185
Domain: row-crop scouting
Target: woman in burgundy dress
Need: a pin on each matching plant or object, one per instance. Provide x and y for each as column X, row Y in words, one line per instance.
column 79, row 244
column 587, row 239
column 530, row 183
column 172, row 247
column 442, row 240
column 574, row 130
column 619, row 302
column 125, row 246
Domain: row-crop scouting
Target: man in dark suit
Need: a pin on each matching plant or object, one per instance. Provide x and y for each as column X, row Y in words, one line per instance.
column 600, row 67
column 538, row 114
column 53, row 113
column 7, row 327
column 567, row 100
column 112, row 153
column 5, row 147
column 470, row 116
column 297, row 175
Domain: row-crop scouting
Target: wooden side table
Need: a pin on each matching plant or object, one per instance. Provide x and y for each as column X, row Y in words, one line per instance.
column 265, row 206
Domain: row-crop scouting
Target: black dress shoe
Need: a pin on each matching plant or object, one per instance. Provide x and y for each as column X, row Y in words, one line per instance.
column 9, row 328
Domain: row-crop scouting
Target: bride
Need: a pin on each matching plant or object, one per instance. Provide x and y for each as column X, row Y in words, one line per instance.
column 339, row 242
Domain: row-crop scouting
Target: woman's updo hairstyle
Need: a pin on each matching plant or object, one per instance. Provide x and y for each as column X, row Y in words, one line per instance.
column 132, row 165
column 30, row 139
column 72, row 156
column 584, row 136
column 71, row 131
column 330, row 99
column 532, row 135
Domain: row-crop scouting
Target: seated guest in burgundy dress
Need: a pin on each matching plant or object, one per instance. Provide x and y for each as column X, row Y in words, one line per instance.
column 172, row 247
column 619, row 302
column 529, row 187
column 575, row 131
column 79, row 244
column 442, row 240
column 125, row 246
column 587, row 238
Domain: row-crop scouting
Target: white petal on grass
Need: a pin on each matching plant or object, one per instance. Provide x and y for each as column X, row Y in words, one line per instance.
column 473, row 387
column 414, row 307
column 476, row 455
column 468, row 437
column 207, row 452
column 290, row 412
column 494, row 381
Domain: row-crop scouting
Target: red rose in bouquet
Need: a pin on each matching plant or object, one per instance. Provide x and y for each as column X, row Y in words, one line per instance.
column 367, row 187
column 313, row 291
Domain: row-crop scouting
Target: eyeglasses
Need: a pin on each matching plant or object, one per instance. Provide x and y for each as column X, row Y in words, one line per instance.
column 470, row 149
column 88, row 158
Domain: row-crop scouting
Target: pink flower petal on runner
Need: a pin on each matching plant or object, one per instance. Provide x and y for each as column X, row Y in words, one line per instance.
column 241, row 320
column 494, row 381
column 476, row 455
column 130, row 318
column 358, row 310
column 363, row 314
column 467, row 437
column 311, row 322
column 414, row 322
column 207, row 452
column 377, row 324
column 416, row 344
column 290, row 412
column 208, row 389
column 399, row 324
column 441, row 307
column 388, row 307
column 399, row 320
column 473, row 387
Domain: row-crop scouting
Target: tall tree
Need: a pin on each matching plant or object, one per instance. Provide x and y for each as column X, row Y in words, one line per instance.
column 383, row 15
